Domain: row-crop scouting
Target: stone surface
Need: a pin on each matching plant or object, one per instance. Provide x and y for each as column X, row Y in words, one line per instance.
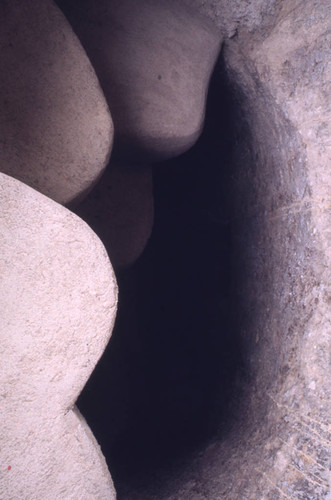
column 230, row 15
column 120, row 211
column 55, row 127
column 276, row 442
column 154, row 61
column 58, row 302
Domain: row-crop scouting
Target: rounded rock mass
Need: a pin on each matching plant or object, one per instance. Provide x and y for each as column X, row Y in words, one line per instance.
column 56, row 131
column 154, row 61
column 120, row 210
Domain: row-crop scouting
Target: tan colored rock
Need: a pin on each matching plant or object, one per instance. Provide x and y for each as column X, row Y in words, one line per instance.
column 55, row 128
column 58, row 301
column 120, row 210
column 154, row 60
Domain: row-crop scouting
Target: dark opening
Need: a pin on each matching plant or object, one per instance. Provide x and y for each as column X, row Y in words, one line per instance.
column 165, row 384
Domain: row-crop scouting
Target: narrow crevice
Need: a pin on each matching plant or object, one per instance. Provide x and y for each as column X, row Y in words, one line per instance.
column 166, row 381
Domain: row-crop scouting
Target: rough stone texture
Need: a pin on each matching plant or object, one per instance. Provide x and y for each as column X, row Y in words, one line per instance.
column 154, row 61
column 231, row 15
column 55, row 128
column 278, row 443
column 58, row 301
column 120, row 211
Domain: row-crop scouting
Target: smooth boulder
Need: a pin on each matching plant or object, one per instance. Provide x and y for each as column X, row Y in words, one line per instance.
column 56, row 131
column 154, row 60
column 58, row 298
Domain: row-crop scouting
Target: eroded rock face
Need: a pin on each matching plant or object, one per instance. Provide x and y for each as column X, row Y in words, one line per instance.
column 276, row 443
column 120, row 210
column 55, row 128
column 154, row 61
column 58, row 299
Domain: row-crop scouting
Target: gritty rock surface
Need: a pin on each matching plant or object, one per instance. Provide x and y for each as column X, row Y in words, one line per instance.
column 277, row 443
column 58, row 299
column 120, row 211
column 229, row 15
column 55, row 128
column 154, row 61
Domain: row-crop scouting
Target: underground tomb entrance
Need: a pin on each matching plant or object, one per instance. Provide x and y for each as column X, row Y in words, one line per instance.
column 166, row 380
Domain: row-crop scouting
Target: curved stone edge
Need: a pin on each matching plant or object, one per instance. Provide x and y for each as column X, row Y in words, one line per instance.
column 277, row 443
column 120, row 209
column 293, row 63
column 58, row 297
column 157, row 97
column 56, row 128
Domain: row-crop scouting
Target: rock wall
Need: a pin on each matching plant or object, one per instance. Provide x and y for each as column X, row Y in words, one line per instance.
column 274, row 443
column 55, row 125
column 58, row 298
